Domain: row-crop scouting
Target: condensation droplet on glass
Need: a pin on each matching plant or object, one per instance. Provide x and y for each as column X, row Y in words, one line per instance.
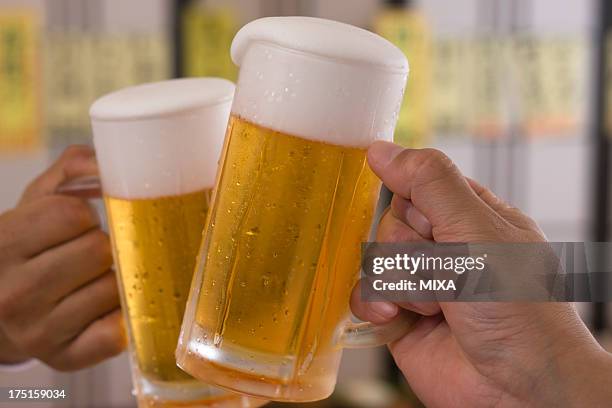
column 252, row 231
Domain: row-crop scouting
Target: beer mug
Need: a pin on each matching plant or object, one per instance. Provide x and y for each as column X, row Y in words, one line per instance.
column 157, row 147
column 268, row 311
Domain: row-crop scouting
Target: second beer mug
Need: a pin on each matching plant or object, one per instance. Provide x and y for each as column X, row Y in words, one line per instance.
column 157, row 147
column 268, row 309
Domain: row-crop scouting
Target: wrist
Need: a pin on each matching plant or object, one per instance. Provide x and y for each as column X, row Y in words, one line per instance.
column 575, row 379
column 588, row 379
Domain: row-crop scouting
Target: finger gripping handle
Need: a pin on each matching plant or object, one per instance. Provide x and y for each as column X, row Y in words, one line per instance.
column 362, row 335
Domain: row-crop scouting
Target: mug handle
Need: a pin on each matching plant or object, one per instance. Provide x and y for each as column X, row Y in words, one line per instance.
column 367, row 334
column 83, row 187
column 88, row 188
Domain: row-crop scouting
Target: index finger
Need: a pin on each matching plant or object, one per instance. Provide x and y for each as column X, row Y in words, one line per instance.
column 50, row 221
column 75, row 161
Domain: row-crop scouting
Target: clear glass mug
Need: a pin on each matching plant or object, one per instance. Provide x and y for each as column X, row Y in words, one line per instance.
column 268, row 312
column 157, row 147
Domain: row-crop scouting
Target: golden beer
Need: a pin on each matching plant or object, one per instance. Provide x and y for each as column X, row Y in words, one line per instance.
column 156, row 243
column 293, row 242
column 286, row 238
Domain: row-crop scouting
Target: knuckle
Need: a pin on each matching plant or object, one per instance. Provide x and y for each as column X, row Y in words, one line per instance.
column 436, row 159
column 62, row 363
column 34, row 341
column 432, row 165
column 74, row 211
column 10, row 305
column 75, row 151
column 98, row 246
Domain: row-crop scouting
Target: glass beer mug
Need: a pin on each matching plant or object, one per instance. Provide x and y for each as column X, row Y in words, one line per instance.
column 268, row 311
column 157, row 147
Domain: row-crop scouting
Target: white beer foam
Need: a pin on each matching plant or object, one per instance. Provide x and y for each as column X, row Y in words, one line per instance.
column 161, row 139
column 319, row 79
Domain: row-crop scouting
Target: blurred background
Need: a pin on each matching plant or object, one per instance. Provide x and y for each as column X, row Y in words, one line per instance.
column 517, row 92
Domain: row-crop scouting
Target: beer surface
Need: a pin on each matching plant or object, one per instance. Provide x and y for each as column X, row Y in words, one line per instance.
column 156, row 242
column 289, row 217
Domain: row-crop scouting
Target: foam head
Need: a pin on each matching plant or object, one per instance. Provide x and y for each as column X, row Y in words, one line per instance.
column 161, row 139
column 318, row 79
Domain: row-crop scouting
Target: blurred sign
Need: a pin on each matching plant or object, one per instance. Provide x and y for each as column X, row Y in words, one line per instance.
column 407, row 29
column 81, row 66
column 207, row 37
column 20, row 122
column 551, row 77
column 486, row 64
column 451, row 90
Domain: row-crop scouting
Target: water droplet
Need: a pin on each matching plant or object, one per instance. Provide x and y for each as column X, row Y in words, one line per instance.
column 252, row 231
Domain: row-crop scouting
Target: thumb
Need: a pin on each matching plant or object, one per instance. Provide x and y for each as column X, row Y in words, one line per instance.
column 434, row 185
column 75, row 161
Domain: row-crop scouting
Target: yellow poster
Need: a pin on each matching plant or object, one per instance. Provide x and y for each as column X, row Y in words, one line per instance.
column 207, row 36
column 20, row 122
column 408, row 30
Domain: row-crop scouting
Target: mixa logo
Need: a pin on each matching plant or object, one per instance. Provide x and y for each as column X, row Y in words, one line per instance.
column 437, row 284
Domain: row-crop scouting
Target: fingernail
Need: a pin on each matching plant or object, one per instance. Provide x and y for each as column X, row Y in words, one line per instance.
column 387, row 310
column 383, row 153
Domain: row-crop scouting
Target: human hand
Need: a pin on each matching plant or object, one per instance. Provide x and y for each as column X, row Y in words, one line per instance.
column 478, row 354
column 58, row 295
